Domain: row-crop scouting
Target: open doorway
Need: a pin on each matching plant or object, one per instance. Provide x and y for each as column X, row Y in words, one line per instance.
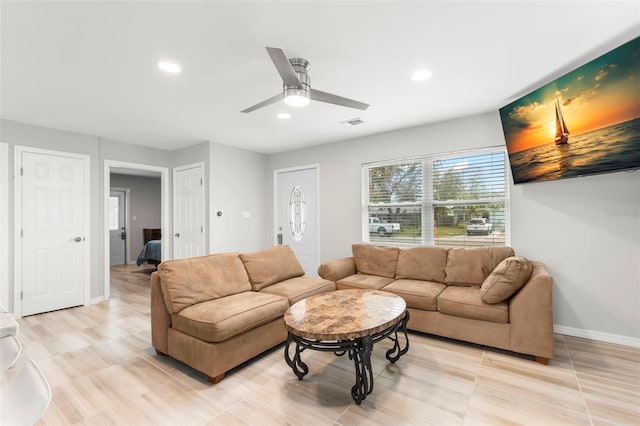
column 152, row 212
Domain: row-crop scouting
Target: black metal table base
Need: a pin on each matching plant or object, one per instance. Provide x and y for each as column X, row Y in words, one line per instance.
column 359, row 351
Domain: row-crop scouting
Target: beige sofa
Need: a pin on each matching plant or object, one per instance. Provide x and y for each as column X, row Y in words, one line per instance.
column 216, row 312
column 484, row 295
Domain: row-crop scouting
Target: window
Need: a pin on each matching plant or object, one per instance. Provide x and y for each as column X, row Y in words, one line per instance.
column 447, row 200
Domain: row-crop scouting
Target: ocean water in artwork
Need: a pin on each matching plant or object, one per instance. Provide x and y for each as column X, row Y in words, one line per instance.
column 615, row 147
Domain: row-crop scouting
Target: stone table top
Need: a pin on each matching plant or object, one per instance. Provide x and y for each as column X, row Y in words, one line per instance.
column 344, row 314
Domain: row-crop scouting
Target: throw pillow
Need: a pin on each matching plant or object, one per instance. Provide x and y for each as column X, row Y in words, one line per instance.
column 506, row 279
column 270, row 266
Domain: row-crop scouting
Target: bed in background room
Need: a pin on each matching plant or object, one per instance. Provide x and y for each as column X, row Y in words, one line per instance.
column 151, row 253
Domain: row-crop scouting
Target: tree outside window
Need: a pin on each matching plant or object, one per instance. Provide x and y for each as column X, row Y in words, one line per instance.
column 432, row 200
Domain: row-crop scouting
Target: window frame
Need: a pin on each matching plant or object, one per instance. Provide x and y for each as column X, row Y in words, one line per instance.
column 427, row 204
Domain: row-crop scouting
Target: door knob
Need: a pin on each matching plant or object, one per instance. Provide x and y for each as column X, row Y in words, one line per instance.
column 77, row 239
column 177, row 234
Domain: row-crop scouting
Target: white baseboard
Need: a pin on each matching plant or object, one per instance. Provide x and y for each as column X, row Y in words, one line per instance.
column 597, row 335
column 96, row 300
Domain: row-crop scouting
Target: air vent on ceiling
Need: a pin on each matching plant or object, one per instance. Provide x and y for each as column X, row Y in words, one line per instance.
column 353, row 121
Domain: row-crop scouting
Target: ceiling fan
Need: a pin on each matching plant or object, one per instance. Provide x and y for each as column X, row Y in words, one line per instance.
column 296, row 85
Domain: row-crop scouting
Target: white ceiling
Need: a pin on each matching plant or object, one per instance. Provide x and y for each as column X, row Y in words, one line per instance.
column 91, row 67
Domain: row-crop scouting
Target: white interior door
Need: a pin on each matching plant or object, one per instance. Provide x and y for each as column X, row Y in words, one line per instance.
column 53, row 242
column 297, row 214
column 117, row 227
column 188, row 211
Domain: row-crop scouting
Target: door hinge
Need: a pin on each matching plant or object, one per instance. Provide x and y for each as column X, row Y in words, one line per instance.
column 200, row 181
column 21, row 294
column 202, row 229
column 21, row 171
column 21, row 233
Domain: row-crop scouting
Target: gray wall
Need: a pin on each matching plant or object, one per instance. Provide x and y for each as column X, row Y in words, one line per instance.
column 239, row 184
column 586, row 230
column 21, row 134
column 144, row 208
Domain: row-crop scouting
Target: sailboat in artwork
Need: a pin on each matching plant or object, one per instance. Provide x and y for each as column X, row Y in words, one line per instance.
column 562, row 132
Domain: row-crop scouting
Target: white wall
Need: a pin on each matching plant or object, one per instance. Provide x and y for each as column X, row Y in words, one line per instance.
column 238, row 185
column 4, row 225
column 586, row 230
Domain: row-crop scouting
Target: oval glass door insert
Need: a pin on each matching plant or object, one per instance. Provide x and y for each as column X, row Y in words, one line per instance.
column 297, row 213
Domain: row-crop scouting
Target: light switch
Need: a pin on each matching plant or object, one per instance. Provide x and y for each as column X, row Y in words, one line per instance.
column 246, row 215
column 133, row 218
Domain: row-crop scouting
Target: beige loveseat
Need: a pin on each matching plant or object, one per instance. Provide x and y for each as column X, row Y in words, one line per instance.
column 484, row 295
column 216, row 312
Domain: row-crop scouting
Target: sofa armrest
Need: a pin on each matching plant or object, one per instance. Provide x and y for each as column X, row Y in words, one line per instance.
column 160, row 317
column 337, row 269
column 531, row 315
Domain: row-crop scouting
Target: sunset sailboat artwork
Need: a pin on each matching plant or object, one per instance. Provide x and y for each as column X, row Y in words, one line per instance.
column 598, row 100
column 562, row 132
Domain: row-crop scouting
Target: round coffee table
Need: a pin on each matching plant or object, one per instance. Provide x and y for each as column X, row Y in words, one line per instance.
column 347, row 322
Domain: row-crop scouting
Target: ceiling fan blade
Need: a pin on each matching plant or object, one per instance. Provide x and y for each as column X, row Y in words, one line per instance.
column 286, row 71
column 271, row 100
column 329, row 98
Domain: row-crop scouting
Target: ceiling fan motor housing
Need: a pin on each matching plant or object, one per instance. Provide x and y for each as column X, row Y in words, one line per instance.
column 301, row 67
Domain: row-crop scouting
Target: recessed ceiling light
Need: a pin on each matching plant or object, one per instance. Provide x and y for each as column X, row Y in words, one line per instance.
column 170, row 67
column 284, row 116
column 421, row 75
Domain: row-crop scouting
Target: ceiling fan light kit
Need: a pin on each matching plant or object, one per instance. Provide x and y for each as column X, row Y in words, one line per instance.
column 296, row 85
column 296, row 97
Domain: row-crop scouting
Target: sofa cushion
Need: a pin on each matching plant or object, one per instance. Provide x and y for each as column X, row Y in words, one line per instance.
column 422, row 263
column 334, row 270
column 465, row 302
column 375, row 260
column 298, row 288
column 362, row 281
column 417, row 294
column 470, row 266
column 275, row 264
column 185, row 282
column 508, row 277
column 220, row 319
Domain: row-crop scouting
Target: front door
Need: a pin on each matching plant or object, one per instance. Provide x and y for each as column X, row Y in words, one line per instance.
column 52, row 219
column 188, row 211
column 117, row 227
column 297, row 214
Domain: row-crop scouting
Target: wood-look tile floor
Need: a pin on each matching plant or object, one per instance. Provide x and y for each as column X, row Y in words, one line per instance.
column 102, row 370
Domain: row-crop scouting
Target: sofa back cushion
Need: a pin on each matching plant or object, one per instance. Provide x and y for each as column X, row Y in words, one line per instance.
column 470, row 266
column 504, row 281
column 422, row 263
column 375, row 260
column 270, row 266
column 186, row 282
